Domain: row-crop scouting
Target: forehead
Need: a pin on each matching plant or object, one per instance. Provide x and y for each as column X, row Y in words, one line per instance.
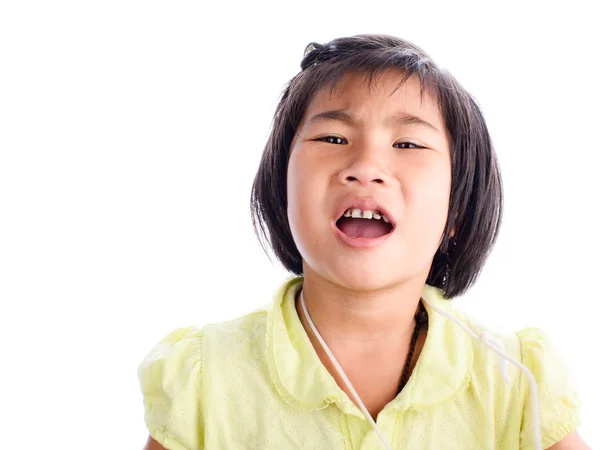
column 383, row 92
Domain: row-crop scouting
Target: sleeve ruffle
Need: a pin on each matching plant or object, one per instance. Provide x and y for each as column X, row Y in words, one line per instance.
column 171, row 383
column 558, row 399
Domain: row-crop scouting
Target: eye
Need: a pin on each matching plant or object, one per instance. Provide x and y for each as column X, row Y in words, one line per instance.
column 407, row 145
column 332, row 140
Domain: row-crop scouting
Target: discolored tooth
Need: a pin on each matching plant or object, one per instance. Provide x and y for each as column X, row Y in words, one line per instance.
column 367, row 214
column 356, row 213
column 376, row 215
column 385, row 219
column 347, row 213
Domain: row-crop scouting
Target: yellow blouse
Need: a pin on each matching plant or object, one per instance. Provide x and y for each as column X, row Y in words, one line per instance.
column 257, row 383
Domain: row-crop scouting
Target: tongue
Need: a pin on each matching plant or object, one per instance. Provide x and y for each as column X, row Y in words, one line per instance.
column 367, row 228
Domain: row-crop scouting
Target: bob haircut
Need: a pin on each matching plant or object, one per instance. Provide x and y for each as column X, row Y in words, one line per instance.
column 476, row 199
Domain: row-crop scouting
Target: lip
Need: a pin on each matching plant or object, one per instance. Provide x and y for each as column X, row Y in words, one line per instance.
column 361, row 242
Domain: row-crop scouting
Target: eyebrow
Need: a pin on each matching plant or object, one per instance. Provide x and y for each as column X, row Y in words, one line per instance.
column 397, row 120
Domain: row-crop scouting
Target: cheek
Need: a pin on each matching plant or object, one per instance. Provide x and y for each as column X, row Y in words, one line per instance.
column 298, row 193
column 427, row 197
column 306, row 201
column 292, row 192
column 305, row 184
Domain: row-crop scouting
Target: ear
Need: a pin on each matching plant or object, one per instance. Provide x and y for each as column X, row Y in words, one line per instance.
column 453, row 232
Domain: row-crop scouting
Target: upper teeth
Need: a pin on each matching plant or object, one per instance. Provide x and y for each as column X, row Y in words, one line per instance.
column 366, row 214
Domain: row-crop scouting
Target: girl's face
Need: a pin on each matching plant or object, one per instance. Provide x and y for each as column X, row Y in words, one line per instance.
column 369, row 150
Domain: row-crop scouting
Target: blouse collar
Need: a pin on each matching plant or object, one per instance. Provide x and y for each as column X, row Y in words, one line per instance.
column 303, row 381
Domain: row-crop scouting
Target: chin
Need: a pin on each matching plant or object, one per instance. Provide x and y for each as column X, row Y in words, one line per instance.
column 364, row 277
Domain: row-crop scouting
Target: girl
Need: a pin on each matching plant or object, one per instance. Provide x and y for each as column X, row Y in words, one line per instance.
column 380, row 190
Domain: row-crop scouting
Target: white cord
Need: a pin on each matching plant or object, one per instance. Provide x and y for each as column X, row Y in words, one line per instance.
column 342, row 373
column 497, row 347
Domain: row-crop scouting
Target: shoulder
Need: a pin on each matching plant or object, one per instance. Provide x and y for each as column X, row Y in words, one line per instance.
column 530, row 346
column 554, row 390
column 552, row 374
column 173, row 375
column 171, row 384
column 178, row 347
column 173, row 362
column 483, row 336
column 543, row 388
column 234, row 352
column 183, row 348
column 246, row 324
column 538, row 351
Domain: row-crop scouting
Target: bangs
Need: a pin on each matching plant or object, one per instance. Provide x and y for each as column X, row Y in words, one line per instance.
column 372, row 69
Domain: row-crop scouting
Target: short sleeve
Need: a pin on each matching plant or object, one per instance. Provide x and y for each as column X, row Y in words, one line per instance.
column 558, row 400
column 171, row 382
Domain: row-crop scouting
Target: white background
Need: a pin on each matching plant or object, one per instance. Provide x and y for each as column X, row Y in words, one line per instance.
column 130, row 133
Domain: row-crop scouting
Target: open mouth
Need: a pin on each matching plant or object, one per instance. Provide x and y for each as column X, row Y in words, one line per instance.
column 357, row 223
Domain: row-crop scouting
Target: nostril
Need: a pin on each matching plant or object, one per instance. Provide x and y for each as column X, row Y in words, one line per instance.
column 367, row 179
column 375, row 180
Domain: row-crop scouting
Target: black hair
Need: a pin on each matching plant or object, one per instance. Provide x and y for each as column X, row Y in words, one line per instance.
column 476, row 198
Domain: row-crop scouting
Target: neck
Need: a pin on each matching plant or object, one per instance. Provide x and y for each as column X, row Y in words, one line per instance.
column 360, row 320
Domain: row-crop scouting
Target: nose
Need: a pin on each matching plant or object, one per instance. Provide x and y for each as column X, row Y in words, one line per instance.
column 365, row 170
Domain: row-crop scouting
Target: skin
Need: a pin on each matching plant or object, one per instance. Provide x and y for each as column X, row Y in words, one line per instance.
column 151, row 444
column 363, row 301
column 573, row 441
